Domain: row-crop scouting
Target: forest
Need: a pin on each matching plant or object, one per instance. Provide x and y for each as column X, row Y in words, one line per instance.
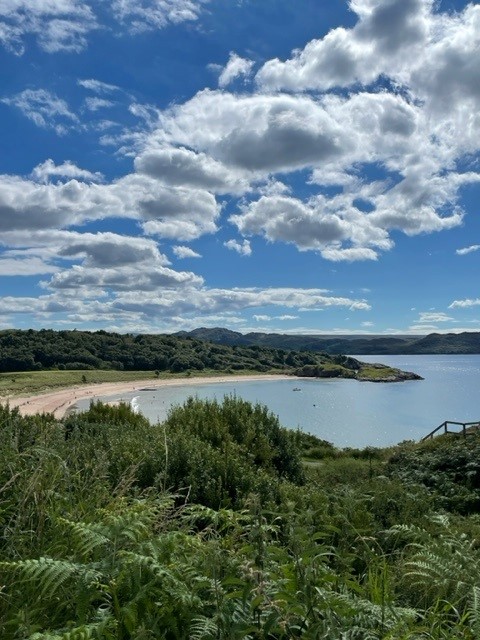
column 30, row 350
column 220, row 524
column 45, row 349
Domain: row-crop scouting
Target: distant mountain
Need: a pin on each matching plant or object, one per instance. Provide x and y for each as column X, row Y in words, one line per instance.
column 434, row 343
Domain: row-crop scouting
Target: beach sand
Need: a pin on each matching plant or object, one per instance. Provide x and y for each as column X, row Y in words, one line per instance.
column 58, row 402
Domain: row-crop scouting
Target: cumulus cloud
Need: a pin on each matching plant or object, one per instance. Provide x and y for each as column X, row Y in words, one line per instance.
column 319, row 224
column 185, row 252
column 124, row 278
column 170, row 212
column 258, row 133
column 338, row 139
column 109, row 250
column 180, row 166
column 389, row 37
column 44, row 171
column 236, row 67
column 16, row 264
column 465, row 304
column 45, row 109
column 101, row 261
column 243, row 248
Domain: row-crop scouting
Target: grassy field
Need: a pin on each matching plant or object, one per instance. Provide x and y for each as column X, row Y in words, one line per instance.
column 31, row 382
column 375, row 373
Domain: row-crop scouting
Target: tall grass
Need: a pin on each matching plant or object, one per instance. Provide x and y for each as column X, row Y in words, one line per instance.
column 206, row 527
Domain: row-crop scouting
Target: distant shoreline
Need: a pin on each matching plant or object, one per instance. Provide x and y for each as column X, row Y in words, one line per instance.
column 60, row 401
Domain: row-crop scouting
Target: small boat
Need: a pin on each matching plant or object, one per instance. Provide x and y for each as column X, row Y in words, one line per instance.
column 296, row 389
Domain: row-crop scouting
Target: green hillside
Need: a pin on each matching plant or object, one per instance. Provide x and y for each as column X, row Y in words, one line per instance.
column 435, row 343
column 47, row 350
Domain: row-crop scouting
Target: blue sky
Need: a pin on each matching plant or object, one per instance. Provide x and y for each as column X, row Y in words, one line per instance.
column 304, row 167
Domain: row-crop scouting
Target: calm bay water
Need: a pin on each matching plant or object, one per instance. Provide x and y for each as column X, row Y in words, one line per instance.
column 346, row 412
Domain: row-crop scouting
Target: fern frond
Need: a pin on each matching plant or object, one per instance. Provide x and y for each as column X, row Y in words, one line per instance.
column 203, row 628
column 87, row 536
column 94, row 631
column 473, row 611
column 49, row 574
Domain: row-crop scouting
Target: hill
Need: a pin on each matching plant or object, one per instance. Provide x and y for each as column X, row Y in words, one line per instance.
column 434, row 343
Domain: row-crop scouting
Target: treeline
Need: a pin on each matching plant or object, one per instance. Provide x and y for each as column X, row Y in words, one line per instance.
column 434, row 343
column 47, row 349
column 209, row 526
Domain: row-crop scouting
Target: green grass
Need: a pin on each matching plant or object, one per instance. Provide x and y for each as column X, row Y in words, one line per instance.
column 31, row 382
column 374, row 373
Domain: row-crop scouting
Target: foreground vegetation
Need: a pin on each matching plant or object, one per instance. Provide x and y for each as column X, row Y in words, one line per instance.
column 22, row 351
column 220, row 524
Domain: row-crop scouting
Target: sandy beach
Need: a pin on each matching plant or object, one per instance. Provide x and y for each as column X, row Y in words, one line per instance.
column 58, row 402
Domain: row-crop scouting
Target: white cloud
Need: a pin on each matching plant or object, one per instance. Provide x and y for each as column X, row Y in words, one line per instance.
column 158, row 299
column 144, row 15
column 185, row 252
column 265, row 318
column 352, row 254
column 390, row 37
column 243, row 248
column 94, row 104
column 97, row 86
column 236, row 67
column 431, row 317
column 204, row 300
column 44, row 171
column 64, row 25
column 259, row 133
column 109, row 250
column 27, row 265
column 45, row 109
column 57, row 25
column 321, row 225
column 338, row 139
column 170, row 212
column 465, row 304
column 466, row 250
column 126, row 278
column 180, row 166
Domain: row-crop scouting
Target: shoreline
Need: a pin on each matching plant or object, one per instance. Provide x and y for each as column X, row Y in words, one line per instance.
column 59, row 402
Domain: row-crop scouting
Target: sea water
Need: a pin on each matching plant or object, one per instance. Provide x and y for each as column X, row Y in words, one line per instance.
column 347, row 413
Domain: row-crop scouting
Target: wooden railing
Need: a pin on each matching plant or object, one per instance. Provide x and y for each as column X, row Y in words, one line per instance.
column 467, row 428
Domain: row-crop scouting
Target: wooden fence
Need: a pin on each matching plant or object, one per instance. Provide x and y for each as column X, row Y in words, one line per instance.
column 467, row 429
